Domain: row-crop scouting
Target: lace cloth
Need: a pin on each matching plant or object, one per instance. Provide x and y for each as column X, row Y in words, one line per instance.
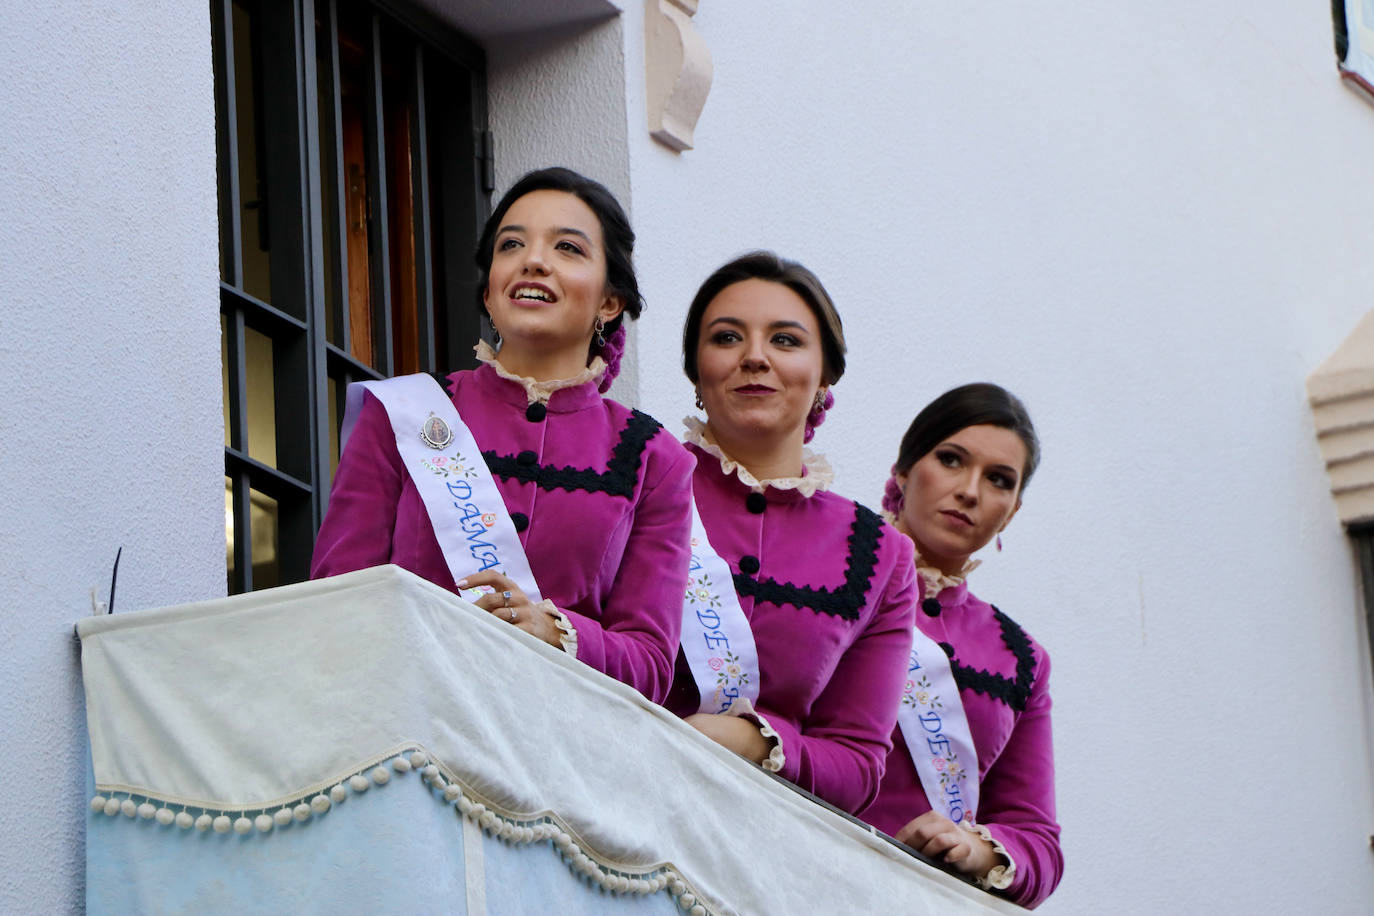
column 816, row 471
column 936, row 581
column 539, row 391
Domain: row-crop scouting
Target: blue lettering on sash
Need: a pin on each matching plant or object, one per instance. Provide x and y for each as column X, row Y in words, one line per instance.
column 940, row 747
column 709, row 618
column 694, row 564
column 716, row 640
column 728, row 697
column 484, row 552
column 459, row 488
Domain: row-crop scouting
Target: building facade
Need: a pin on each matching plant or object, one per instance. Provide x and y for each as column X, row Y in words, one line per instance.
column 1153, row 225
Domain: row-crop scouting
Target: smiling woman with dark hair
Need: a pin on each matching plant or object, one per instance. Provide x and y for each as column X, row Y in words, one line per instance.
column 970, row 780
column 518, row 484
column 801, row 602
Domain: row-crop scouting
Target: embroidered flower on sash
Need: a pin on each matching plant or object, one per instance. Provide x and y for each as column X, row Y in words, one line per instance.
column 730, row 674
column 701, row 589
column 449, row 466
column 917, row 693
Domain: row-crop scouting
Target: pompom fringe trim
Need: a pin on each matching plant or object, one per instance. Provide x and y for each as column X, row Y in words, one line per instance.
column 510, row 827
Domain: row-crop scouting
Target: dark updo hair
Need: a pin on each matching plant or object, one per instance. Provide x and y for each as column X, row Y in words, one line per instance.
column 617, row 236
column 978, row 404
column 765, row 265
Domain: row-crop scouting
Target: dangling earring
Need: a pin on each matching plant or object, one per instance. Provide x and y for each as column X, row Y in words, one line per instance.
column 999, row 542
column 599, row 327
column 819, row 400
column 495, row 334
column 700, row 406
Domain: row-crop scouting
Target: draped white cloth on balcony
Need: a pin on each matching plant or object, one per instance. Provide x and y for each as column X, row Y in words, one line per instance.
column 236, row 734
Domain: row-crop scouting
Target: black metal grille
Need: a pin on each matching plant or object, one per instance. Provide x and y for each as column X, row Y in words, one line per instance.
column 351, row 159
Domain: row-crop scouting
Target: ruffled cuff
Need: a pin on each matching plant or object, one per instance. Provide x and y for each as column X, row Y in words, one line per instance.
column 999, row 877
column 776, row 756
column 568, row 633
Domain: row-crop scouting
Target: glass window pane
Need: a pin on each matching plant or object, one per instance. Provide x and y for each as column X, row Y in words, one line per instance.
column 257, row 271
column 262, row 413
column 263, row 527
column 329, row 177
column 224, row 374
column 398, row 78
column 355, row 37
column 334, row 420
column 229, row 531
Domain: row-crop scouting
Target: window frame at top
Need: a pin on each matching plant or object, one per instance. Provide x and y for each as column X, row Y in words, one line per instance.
column 292, row 145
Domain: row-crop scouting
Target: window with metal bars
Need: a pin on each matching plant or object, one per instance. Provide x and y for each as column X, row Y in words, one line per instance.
column 354, row 174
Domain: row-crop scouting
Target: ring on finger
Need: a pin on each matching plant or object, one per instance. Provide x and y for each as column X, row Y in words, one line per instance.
column 506, row 599
column 512, row 614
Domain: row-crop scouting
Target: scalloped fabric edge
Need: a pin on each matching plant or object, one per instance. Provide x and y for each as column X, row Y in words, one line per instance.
column 511, row 827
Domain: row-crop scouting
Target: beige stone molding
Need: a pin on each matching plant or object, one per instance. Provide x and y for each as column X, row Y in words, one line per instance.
column 677, row 71
column 1341, row 392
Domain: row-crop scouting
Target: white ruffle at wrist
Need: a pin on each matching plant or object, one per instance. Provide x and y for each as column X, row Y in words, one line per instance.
column 818, row 474
column 743, row 708
column 568, row 635
column 999, row 877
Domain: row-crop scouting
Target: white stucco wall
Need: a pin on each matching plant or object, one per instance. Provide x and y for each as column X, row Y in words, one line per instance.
column 558, row 98
column 1152, row 225
column 1152, row 228
column 109, row 343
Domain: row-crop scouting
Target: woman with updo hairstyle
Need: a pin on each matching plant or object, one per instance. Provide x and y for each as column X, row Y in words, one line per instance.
column 957, row 484
column 795, row 641
column 594, row 499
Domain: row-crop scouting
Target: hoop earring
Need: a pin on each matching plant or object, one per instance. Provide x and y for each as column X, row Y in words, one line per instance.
column 700, row 406
column 495, row 334
column 598, row 328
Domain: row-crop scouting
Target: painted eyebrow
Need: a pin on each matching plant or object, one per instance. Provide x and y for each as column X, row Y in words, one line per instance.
column 1005, row 468
column 726, row 319
column 562, row 230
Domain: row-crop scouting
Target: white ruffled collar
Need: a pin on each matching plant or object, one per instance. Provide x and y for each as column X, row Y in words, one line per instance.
column 816, row 474
column 535, row 390
column 936, row 581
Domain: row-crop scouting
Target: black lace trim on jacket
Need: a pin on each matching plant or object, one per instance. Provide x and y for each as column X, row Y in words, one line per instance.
column 1014, row 693
column 619, row 478
column 844, row 601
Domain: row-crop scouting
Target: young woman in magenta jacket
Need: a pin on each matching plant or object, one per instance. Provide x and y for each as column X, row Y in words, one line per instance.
column 599, row 494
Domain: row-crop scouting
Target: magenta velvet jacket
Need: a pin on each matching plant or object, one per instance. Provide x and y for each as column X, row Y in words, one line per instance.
column 600, row 495
column 1004, row 682
column 830, row 594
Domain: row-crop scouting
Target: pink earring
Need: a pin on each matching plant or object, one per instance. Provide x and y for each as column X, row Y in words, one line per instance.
column 999, row 542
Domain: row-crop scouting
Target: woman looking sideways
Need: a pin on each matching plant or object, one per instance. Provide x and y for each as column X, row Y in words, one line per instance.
column 972, row 786
column 594, row 499
column 799, row 666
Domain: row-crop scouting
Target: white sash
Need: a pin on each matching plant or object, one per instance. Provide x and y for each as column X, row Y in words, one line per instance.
column 470, row 520
column 936, row 732
column 716, row 637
